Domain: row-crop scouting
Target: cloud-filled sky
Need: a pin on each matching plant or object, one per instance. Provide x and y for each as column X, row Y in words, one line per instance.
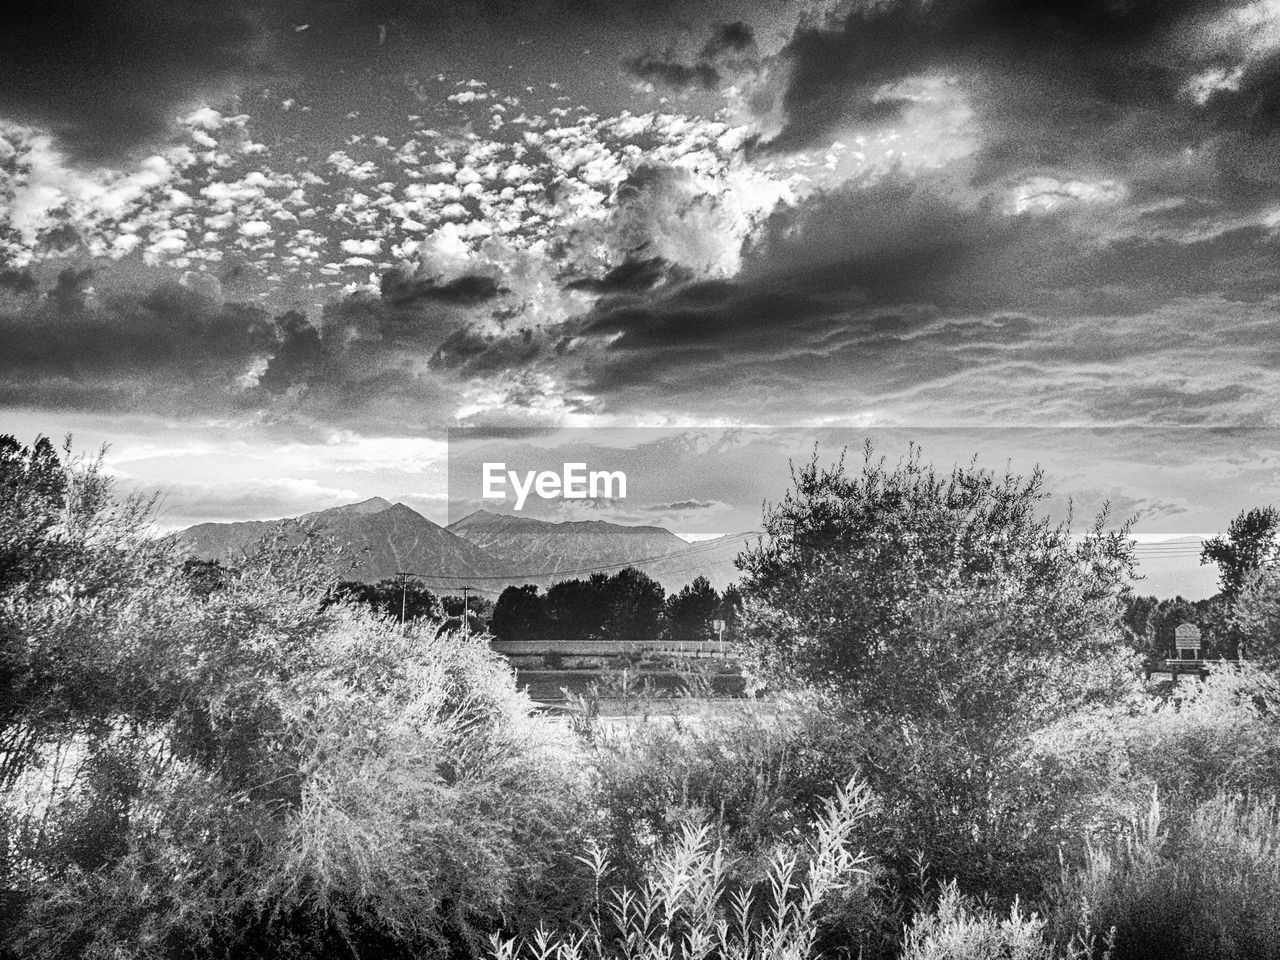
column 273, row 251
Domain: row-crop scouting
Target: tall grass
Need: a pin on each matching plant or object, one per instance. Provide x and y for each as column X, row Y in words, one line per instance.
column 687, row 908
column 1213, row 891
column 958, row 929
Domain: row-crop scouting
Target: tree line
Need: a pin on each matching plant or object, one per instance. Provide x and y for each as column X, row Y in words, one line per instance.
column 1240, row 621
column 626, row 606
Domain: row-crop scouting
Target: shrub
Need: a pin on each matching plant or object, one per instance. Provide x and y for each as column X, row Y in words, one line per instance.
column 255, row 769
column 1213, row 893
column 958, row 929
column 686, row 907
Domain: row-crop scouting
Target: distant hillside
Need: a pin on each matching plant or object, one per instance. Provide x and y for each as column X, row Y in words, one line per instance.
column 712, row 559
column 486, row 550
column 388, row 537
column 537, row 547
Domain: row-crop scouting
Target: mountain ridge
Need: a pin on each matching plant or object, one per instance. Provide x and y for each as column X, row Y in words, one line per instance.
column 544, row 548
column 389, row 537
column 486, row 550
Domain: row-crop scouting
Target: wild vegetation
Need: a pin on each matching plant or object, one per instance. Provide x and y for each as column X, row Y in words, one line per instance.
column 951, row 754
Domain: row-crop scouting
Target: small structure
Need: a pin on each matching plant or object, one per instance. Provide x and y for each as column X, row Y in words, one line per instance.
column 1187, row 639
column 1187, row 663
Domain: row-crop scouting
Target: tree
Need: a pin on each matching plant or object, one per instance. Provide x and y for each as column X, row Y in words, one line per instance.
column 33, row 487
column 730, row 607
column 690, row 612
column 576, row 609
column 1251, row 543
column 518, row 614
column 634, row 601
column 410, row 600
column 857, row 575
column 625, row 606
column 939, row 619
column 1151, row 623
column 477, row 609
column 1255, row 615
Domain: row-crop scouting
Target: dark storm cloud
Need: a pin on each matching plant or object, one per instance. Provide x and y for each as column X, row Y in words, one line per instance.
column 107, row 76
column 400, row 289
column 74, row 349
column 177, row 349
column 472, row 352
column 368, row 356
column 19, row 282
column 1052, row 82
column 730, row 49
column 669, row 73
column 734, row 37
column 170, row 326
column 895, row 288
column 110, row 76
column 631, row 276
column 71, row 290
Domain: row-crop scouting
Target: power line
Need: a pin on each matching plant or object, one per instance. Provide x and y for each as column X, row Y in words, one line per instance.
column 1153, row 551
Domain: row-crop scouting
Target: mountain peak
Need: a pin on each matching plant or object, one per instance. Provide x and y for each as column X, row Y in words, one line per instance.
column 403, row 509
column 372, row 505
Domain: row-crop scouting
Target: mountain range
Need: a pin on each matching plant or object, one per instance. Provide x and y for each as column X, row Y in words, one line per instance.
column 487, row 551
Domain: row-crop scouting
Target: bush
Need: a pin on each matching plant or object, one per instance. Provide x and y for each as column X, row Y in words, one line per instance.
column 958, row 929
column 867, row 577
column 256, row 770
column 1213, row 893
column 688, row 907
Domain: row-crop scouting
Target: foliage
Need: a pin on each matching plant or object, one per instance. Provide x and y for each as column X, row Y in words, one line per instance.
column 959, row 929
column 1251, row 542
column 1213, row 893
column 1255, row 614
column 943, row 620
column 690, row 612
column 518, row 614
column 860, row 574
column 201, row 759
column 1151, row 622
column 1101, row 766
column 409, row 599
column 688, row 908
column 625, row 606
column 254, row 768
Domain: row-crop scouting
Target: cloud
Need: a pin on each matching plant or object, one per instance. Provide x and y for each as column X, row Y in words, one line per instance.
column 402, row 290
column 260, row 498
column 180, row 348
column 731, row 49
column 729, row 38
column 658, row 70
column 19, row 282
column 683, row 506
column 108, row 77
column 911, row 294
column 630, row 276
column 1167, row 95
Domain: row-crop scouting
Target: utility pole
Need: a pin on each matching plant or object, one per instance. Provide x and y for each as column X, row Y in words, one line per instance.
column 404, row 590
column 466, row 625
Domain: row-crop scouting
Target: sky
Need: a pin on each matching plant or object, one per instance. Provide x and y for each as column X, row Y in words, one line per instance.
column 272, row 253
